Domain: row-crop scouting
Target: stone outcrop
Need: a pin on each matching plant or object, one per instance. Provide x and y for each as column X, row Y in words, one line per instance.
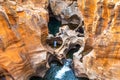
column 23, row 32
column 101, row 18
column 66, row 11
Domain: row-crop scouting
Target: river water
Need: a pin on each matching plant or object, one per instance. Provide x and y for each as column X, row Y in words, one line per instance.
column 58, row 71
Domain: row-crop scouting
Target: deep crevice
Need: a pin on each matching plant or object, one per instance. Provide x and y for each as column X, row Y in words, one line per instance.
column 53, row 60
column 74, row 48
column 53, row 24
column 74, row 21
column 35, row 78
column 2, row 77
column 82, row 78
column 54, row 42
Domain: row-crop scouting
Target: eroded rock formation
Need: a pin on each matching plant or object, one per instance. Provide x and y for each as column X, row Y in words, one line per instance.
column 103, row 61
column 90, row 26
column 23, row 32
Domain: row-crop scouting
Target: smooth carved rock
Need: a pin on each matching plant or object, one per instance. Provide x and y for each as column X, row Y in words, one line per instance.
column 23, row 34
column 103, row 62
column 22, row 40
column 64, row 10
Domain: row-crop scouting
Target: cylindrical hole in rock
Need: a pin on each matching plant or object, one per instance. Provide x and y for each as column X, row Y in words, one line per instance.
column 35, row 78
column 2, row 77
column 74, row 21
column 82, row 78
column 54, row 42
column 54, row 23
column 80, row 29
column 73, row 48
column 53, row 60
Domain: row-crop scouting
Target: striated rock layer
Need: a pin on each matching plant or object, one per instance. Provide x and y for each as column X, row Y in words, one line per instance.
column 101, row 18
column 23, row 32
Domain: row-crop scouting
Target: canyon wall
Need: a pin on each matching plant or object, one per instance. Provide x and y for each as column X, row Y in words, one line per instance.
column 101, row 18
column 24, row 30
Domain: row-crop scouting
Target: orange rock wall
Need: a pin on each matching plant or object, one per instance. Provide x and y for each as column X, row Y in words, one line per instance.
column 23, row 31
column 101, row 19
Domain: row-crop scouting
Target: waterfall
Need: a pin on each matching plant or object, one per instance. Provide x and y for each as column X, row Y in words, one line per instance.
column 62, row 71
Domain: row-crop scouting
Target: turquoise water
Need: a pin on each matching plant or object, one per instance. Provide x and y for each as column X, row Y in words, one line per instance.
column 63, row 72
column 67, row 74
column 56, row 69
column 53, row 25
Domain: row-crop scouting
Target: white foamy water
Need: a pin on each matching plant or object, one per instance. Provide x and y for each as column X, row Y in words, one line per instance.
column 61, row 72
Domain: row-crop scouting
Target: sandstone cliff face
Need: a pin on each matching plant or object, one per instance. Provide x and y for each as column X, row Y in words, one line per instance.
column 101, row 19
column 23, row 30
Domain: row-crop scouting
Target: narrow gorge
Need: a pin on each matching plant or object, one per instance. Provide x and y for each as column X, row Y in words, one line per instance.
column 59, row 40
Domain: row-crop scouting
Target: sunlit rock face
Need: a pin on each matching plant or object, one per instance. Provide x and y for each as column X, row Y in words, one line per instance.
column 101, row 18
column 37, row 3
column 23, row 32
column 88, row 34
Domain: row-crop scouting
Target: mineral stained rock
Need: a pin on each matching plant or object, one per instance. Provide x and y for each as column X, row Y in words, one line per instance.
column 91, row 26
column 101, row 18
column 23, row 32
